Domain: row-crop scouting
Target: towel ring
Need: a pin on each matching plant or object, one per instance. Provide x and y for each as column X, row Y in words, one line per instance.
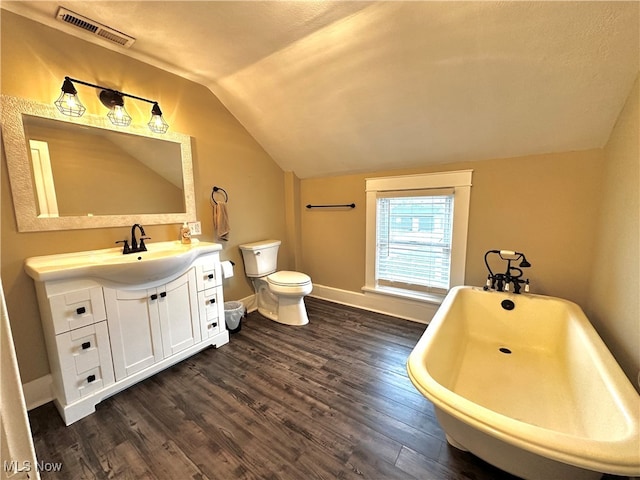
column 218, row 189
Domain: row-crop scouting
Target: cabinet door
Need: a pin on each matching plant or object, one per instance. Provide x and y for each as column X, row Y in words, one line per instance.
column 134, row 329
column 178, row 311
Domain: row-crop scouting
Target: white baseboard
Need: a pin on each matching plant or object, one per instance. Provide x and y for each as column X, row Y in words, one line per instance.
column 249, row 303
column 414, row 310
column 408, row 309
column 38, row 392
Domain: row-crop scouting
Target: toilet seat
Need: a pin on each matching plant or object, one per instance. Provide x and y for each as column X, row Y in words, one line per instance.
column 286, row 278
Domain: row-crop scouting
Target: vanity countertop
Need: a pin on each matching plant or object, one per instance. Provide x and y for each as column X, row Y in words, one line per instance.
column 161, row 260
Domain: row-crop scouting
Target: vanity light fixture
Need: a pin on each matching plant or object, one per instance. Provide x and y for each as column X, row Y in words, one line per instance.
column 69, row 104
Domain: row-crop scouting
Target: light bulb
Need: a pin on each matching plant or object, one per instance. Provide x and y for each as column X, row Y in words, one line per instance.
column 69, row 104
column 119, row 116
column 70, row 100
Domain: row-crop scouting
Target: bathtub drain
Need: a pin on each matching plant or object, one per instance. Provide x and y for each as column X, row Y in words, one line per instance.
column 505, row 350
column 508, row 305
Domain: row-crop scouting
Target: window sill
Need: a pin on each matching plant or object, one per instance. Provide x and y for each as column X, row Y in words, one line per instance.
column 432, row 298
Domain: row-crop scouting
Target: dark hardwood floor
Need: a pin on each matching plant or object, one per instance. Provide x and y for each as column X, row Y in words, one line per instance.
column 328, row 400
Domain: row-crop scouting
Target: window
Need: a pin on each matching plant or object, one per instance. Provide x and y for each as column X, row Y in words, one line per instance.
column 413, row 238
column 417, row 233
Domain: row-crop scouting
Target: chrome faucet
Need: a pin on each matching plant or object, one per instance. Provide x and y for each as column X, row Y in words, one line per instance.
column 135, row 246
column 502, row 281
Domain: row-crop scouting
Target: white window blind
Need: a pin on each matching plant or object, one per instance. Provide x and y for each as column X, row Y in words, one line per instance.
column 414, row 238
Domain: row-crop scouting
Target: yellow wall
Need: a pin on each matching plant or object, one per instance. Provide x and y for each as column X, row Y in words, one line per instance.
column 614, row 301
column 541, row 205
column 35, row 60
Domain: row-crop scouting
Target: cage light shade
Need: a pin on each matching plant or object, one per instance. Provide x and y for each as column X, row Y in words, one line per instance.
column 119, row 116
column 157, row 123
column 68, row 102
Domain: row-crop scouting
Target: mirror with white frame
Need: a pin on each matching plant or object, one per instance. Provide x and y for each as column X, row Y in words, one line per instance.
column 76, row 173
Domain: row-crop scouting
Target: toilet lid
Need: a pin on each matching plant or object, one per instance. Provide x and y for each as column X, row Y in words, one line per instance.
column 286, row 278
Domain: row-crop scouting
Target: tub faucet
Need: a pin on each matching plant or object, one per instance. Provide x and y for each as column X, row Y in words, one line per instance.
column 501, row 282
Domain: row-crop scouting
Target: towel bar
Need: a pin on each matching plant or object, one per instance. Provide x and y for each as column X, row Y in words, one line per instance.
column 347, row 205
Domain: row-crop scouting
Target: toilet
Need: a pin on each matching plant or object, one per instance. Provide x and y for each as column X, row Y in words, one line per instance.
column 280, row 295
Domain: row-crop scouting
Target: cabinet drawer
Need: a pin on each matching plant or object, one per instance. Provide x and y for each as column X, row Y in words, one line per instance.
column 85, row 360
column 77, row 309
column 208, row 273
column 90, row 381
column 209, row 306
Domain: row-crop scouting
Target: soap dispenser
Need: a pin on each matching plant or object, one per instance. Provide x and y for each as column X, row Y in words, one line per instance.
column 185, row 234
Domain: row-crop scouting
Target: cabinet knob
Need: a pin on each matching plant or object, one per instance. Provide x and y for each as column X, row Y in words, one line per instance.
column 213, row 300
column 91, row 378
column 154, row 297
column 212, row 325
column 80, row 310
column 210, row 276
column 86, row 345
column 163, row 294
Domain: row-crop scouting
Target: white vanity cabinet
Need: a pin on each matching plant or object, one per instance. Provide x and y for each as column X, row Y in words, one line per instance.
column 104, row 337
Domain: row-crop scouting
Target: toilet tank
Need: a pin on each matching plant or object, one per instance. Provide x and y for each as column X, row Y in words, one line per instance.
column 260, row 258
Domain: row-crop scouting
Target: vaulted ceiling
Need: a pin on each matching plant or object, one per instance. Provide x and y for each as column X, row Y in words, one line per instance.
column 341, row 87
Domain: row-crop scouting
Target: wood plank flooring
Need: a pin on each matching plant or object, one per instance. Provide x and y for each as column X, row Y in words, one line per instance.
column 330, row 400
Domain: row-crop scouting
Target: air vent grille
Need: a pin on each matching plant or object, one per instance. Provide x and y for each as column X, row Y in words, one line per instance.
column 75, row 21
column 112, row 38
column 93, row 27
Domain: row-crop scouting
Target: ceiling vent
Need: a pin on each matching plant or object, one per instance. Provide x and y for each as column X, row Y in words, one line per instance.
column 93, row 27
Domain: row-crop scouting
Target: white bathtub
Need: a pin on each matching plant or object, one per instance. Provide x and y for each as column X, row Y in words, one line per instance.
column 557, row 407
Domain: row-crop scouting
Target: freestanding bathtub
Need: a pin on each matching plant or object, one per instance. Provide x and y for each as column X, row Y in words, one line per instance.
column 525, row 383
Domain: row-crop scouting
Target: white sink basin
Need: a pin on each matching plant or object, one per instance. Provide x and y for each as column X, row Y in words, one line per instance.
column 162, row 260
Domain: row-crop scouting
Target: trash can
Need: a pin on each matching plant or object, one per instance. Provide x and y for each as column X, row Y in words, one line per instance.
column 233, row 313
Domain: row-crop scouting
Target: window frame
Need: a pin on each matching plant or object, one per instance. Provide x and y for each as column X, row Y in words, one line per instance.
column 460, row 181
